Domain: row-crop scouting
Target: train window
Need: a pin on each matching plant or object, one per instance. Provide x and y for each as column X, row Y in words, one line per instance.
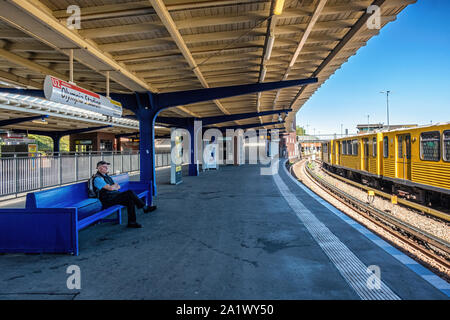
column 400, row 146
column 408, row 146
column 430, row 146
column 385, row 147
column 374, row 147
column 344, row 147
column 355, row 147
column 446, row 137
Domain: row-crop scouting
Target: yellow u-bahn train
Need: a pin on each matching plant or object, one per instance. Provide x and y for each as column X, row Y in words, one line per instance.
column 412, row 162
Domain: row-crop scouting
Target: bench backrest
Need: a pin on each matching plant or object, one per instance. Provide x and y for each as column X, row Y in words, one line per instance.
column 74, row 193
column 122, row 179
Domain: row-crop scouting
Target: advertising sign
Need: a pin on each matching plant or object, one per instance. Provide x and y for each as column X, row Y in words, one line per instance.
column 58, row 90
column 32, row 150
column 176, row 159
column 210, row 156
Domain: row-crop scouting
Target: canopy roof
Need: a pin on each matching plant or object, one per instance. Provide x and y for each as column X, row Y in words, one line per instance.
column 175, row 45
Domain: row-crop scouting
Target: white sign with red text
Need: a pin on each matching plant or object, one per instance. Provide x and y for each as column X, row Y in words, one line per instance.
column 58, row 90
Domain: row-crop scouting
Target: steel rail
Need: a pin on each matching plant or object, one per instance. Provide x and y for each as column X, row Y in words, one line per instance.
column 406, row 203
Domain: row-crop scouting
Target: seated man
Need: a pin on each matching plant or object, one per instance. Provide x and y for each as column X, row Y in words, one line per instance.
column 110, row 195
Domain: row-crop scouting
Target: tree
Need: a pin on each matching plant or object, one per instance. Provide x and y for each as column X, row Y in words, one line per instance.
column 300, row 131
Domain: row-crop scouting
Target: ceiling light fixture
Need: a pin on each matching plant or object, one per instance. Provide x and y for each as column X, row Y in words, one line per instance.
column 42, row 120
column 278, row 8
column 270, row 42
column 263, row 74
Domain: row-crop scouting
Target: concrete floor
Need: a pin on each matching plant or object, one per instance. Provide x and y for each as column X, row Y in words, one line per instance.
column 227, row 234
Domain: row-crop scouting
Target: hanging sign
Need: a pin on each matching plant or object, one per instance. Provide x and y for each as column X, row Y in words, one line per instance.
column 58, row 90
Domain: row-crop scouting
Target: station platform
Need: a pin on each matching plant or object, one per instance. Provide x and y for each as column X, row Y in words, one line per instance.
column 226, row 234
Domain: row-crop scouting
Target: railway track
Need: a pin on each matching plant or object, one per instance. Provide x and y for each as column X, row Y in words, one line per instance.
column 429, row 245
column 412, row 205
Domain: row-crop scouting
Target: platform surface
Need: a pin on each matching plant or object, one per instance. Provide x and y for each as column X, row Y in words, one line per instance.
column 226, row 234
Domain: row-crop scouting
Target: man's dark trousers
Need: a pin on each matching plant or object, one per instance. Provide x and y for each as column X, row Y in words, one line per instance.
column 127, row 198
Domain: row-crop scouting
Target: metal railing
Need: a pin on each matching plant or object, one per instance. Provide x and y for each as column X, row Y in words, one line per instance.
column 20, row 173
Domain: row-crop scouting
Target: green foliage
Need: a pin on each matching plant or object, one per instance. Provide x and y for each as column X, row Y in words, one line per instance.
column 45, row 144
column 64, row 144
column 300, row 131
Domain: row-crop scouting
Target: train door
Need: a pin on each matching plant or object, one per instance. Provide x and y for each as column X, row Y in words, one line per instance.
column 338, row 153
column 403, row 158
column 407, row 166
column 366, row 155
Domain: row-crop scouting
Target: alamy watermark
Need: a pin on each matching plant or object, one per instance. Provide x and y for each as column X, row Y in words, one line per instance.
column 74, row 280
column 374, row 21
column 74, row 20
column 211, row 147
column 374, row 279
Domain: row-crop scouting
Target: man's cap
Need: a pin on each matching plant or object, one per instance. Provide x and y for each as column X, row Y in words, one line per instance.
column 100, row 163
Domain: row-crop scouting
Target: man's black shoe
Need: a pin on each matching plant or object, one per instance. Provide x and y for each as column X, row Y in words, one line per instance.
column 134, row 225
column 148, row 209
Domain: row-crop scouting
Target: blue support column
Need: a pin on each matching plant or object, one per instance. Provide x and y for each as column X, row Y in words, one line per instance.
column 146, row 114
column 193, row 170
column 56, row 139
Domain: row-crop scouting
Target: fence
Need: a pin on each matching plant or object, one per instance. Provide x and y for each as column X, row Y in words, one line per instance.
column 20, row 173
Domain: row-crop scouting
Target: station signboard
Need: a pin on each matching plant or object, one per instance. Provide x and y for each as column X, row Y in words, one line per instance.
column 61, row 91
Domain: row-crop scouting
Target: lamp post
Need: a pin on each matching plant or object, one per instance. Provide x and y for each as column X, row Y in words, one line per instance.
column 387, row 106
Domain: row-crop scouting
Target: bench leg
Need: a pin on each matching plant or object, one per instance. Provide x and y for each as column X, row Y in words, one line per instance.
column 119, row 216
column 117, row 220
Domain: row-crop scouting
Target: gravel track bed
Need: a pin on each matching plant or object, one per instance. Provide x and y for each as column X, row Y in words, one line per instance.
column 439, row 229
column 431, row 264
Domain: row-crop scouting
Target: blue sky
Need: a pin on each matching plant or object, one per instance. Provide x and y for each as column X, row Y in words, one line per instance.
column 410, row 56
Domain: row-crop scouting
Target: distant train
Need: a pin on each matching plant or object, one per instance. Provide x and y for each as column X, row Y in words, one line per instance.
column 411, row 162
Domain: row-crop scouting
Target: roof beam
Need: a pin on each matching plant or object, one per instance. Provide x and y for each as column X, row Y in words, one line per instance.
column 142, row 8
column 359, row 25
column 315, row 16
column 62, row 133
column 37, row 20
column 16, row 59
column 8, row 122
column 168, row 22
column 216, row 36
column 18, row 80
column 251, row 125
column 94, row 33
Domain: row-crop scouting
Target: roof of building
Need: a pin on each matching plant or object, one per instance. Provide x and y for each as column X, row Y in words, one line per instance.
column 308, row 138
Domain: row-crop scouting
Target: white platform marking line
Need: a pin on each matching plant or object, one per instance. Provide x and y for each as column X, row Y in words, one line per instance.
column 348, row 265
column 434, row 280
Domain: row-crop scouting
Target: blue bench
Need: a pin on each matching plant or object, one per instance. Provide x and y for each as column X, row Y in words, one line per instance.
column 52, row 218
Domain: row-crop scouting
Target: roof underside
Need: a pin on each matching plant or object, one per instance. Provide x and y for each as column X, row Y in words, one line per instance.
column 175, row 45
